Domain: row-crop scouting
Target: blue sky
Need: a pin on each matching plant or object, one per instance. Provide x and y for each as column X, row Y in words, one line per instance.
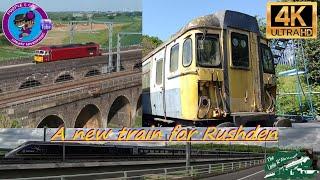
column 79, row 5
column 163, row 18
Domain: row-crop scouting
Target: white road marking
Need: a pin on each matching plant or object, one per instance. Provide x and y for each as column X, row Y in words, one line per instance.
column 251, row 175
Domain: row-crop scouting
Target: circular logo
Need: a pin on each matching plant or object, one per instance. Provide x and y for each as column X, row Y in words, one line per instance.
column 25, row 24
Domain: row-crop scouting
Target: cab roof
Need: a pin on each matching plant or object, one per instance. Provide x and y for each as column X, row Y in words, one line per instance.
column 66, row 46
column 224, row 19
column 221, row 19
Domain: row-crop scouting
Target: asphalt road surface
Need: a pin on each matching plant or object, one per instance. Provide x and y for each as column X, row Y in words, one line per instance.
column 254, row 173
column 247, row 174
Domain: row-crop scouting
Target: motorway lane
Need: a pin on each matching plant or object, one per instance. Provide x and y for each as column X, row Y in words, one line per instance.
column 247, row 174
column 254, row 173
column 311, row 124
column 79, row 167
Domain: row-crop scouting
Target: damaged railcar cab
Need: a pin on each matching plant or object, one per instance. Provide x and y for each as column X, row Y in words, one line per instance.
column 215, row 69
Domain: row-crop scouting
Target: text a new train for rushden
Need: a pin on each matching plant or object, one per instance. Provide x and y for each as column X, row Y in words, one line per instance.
column 177, row 133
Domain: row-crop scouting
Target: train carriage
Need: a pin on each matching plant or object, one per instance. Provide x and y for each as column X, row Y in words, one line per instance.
column 65, row 52
column 217, row 69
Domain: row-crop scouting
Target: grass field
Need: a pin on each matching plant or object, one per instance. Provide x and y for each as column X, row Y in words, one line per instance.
column 101, row 36
column 120, row 18
column 11, row 52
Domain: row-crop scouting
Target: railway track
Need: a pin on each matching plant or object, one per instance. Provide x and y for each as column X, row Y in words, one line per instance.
column 49, row 89
column 127, row 62
column 43, row 68
column 32, row 151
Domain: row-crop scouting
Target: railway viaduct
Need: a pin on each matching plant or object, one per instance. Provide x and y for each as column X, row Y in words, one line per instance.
column 75, row 93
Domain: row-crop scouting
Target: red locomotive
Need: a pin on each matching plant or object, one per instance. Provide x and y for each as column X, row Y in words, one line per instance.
column 64, row 52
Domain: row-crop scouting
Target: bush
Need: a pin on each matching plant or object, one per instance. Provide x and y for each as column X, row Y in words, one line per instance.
column 289, row 104
column 149, row 44
column 6, row 122
column 4, row 41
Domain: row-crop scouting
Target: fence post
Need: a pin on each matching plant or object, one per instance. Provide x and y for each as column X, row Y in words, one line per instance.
column 240, row 165
column 191, row 169
column 222, row 168
column 209, row 171
column 165, row 173
column 232, row 166
column 125, row 176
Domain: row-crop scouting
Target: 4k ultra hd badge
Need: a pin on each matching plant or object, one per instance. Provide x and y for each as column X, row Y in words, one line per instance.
column 25, row 24
column 291, row 20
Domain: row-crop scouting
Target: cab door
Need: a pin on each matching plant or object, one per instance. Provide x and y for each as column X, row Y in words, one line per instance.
column 157, row 91
column 242, row 64
column 172, row 96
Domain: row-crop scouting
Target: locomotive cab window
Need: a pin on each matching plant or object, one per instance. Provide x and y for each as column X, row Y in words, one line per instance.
column 187, row 52
column 174, row 58
column 208, row 51
column 159, row 70
column 267, row 59
column 91, row 49
column 41, row 52
column 240, row 50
